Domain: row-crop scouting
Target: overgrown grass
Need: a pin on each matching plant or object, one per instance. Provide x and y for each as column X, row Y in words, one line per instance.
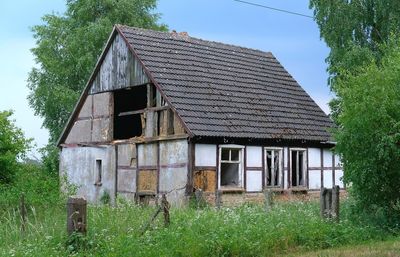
column 241, row 231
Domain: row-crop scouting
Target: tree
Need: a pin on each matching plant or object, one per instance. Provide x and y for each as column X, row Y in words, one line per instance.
column 369, row 135
column 359, row 25
column 67, row 47
column 13, row 147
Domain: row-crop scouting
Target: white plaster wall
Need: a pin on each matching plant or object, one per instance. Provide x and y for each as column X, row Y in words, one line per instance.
column 328, row 178
column 314, row 179
column 205, row 155
column 327, row 158
column 338, row 162
column 338, row 176
column 254, row 156
column 78, row 166
column 147, row 154
column 314, row 157
column 174, row 179
column 254, row 181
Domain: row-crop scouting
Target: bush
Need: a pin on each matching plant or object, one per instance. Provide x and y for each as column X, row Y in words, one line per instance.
column 37, row 185
column 368, row 138
column 13, row 147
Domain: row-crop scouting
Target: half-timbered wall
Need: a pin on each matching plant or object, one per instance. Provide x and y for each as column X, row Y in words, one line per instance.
column 323, row 168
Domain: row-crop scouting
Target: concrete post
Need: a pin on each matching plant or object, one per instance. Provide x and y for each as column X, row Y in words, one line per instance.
column 218, row 200
column 268, row 200
column 76, row 215
column 335, row 203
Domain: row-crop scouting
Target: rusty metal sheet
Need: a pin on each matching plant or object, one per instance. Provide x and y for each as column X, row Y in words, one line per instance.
column 147, row 181
column 205, row 180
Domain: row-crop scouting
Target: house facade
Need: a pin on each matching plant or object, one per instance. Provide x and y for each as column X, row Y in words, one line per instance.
column 167, row 113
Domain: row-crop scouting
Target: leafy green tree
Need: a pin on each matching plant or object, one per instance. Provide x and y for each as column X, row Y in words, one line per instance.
column 369, row 135
column 360, row 25
column 353, row 30
column 13, row 147
column 67, row 47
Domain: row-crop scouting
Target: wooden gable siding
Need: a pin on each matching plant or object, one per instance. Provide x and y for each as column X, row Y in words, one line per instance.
column 119, row 69
column 94, row 122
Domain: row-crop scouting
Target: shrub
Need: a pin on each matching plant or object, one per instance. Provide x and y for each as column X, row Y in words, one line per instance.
column 368, row 138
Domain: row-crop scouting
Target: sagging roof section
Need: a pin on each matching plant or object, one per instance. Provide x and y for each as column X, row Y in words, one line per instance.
column 223, row 90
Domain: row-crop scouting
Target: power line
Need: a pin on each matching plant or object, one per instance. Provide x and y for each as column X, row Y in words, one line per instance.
column 275, row 9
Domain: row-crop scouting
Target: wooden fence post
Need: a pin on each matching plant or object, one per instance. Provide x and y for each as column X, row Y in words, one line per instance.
column 76, row 215
column 22, row 209
column 165, row 207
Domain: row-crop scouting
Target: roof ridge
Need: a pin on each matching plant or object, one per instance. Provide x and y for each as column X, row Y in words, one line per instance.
column 179, row 36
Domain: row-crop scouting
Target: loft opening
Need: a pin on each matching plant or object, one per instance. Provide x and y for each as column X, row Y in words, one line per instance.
column 127, row 122
column 231, row 167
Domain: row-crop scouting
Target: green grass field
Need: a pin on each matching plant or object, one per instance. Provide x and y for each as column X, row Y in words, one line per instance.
column 289, row 229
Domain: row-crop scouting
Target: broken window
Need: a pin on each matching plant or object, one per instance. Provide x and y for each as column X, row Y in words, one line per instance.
column 98, row 172
column 129, row 100
column 273, row 167
column 231, row 167
column 298, row 167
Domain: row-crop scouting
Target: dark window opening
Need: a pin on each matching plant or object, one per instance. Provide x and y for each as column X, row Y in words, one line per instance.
column 132, row 99
column 230, row 174
column 98, row 173
column 297, row 169
column 230, row 168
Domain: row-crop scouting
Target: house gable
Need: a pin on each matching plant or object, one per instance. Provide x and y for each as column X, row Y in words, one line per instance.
column 119, row 69
column 120, row 102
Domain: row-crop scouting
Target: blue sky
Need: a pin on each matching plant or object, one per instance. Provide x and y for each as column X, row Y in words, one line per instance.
column 294, row 40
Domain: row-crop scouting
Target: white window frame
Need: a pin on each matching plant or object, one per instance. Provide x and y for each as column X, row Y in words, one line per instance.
column 241, row 166
column 305, row 168
column 280, row 172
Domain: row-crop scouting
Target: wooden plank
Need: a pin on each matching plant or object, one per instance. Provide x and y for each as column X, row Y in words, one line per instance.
column 149, row 109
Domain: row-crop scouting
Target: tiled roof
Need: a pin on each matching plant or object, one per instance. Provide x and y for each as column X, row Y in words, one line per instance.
column 228, row 91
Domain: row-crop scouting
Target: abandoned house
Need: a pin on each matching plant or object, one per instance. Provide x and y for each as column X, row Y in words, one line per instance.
column 164, row 112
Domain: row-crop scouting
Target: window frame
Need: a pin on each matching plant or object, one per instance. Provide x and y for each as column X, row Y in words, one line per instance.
column 240, row 169
column 98, row 169
column 281, row 168
column 305, row 168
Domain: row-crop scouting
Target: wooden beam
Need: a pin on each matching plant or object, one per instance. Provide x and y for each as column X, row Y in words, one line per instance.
column 150, row 109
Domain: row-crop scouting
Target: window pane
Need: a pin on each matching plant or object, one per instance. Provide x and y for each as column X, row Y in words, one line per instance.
column 230, row 174
column 269, row 167
column 234, row 154
column 301, row 168
column 275, row 176
column 225, row 154
column 294, row 168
